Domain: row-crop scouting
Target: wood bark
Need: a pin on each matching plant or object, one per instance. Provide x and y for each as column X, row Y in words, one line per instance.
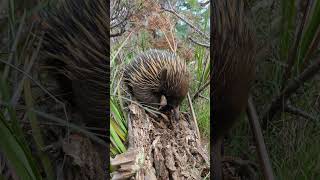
column 171, row 149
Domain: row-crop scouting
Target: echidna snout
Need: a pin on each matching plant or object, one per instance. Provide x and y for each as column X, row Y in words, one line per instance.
column 159, row 79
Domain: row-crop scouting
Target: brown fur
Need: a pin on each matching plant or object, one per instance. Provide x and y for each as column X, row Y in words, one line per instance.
column 233, row 70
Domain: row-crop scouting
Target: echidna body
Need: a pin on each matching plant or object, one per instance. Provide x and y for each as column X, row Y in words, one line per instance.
column 233, row 70
column 159, row 79
column 76, row 45
column 234, row 63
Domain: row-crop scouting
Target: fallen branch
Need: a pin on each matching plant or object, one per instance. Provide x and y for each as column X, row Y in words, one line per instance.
column 293, row 85
column 298, row 112
column 194, row 117
column 203, row 4
column 200, row 90
column 277, row 63
column 258, row 138
column 199, row 43
column 206, row 98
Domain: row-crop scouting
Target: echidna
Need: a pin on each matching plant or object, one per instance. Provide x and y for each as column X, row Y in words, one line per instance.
column 233, row 70
column 158, row 78
column 76, row 45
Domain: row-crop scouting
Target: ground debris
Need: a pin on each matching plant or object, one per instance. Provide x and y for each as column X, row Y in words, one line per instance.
column 235, row 168
column 127, row 164
column 84, row 159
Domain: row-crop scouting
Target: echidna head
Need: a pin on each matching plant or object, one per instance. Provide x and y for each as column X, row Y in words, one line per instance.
column 174, row 88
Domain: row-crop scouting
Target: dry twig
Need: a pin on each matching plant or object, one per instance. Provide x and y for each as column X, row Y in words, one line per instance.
column 194, row 117
column 258, row 137
column 281, row 64
column 199, row 43
column 203, row 4
column 293, row 85
column 298, row 112
column 206, row 98
column 200, row 90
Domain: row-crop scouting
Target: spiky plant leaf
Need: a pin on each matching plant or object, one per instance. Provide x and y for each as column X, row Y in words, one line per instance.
column 14, row 151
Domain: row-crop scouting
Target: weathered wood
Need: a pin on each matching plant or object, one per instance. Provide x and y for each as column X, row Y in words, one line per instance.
column 172, row 150
column 127, row 163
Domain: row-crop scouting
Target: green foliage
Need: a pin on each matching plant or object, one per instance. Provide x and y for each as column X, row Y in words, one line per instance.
column 20, row 40
column 202, row 109
column 287, row 28
column 13, row 144
column 118, row 129
column 118, row 122
column 310, row 32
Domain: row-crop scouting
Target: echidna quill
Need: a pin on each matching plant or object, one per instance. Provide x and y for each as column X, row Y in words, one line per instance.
column 76, row 45
column 159, row 79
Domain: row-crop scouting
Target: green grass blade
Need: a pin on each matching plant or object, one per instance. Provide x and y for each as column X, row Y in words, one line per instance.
column 14, row 45
column 310, row 31
column 117, row 115
column 118, row 130
column 11, row 116
column 113, row 150
column 36, row 132
column 115, row 147
column 14, row 151
column 118, row 50
column 116, row 139
column 207, row 71
column 287, row 28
